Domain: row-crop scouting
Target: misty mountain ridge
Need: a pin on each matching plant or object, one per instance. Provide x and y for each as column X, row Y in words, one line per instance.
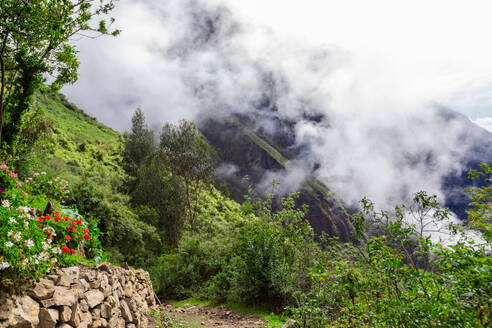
column 264, row 146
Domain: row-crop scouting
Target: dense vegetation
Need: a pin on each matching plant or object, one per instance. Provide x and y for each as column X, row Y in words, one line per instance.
column 73, row 190
column 251, row 253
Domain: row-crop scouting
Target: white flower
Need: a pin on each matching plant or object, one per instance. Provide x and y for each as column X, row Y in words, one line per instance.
column 24, row 209
column 54, row 260
column 30, row 243
column 50, row 182
column 9, row 244
column 9, row 234
column 45, row 245
column 4, row 265
column 6, row 203
column 17, row 235
column 43, row 173
column 12, row 220
column 48, row 270
column 56, row 250
column 36, row 174
column 25, row 262
column 36, row 261
column 26, row 224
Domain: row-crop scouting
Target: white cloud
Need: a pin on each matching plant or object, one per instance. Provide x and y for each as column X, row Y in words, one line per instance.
column 370, row 67
column 484, row 122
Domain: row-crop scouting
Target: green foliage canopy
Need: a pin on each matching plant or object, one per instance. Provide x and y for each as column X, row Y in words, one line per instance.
column 188, row 155
column 35, row 42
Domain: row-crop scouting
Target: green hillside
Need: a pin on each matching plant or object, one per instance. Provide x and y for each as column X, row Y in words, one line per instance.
column 78, row 144
column 88, row 155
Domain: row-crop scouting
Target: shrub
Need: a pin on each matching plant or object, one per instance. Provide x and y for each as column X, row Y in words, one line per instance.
column 181, row 273
column 31, row 246
column 8, row 180
column 261, row 272
column 269, row 257
column 401, row 278
column 42, row 184
column 124, row 235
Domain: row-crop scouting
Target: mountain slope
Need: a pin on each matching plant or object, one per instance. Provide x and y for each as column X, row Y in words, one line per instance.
column 259, row 150
column 78, row 144
column 254, row 155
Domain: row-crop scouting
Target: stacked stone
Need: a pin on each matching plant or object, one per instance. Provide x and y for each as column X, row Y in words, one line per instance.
column 83, row 296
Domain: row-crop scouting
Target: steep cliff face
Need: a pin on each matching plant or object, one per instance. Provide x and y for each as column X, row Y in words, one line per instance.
column 253, row 155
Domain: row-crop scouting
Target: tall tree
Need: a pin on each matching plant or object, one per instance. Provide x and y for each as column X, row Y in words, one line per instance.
column 35, row 42
column 158, row 188
column 139, row 144
column 188, row 155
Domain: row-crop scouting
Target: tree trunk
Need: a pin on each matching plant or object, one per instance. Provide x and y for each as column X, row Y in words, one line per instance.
column 2, row 89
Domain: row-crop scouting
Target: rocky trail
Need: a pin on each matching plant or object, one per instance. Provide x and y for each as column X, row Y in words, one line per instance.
column 207, row 316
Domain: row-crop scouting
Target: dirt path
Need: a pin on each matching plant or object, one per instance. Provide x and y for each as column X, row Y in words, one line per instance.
column 204, row 316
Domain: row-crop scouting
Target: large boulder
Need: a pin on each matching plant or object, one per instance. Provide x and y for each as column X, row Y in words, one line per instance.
column 44, row 289
column 125, row 311
column 24, row 314
column 63, row 296
column 94, row 297
column 73, row 273
column 64, row 279
column 48, row 318
column 65, row 314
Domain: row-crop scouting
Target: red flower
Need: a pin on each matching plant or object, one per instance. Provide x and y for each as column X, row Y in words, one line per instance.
column 66, row 218
column 47, row 217
column 72, row 251
column 40, row 226
column 69, row 228
column 40, row 220
column 52, row 238
column 68, row 237
column 87, row 237
column 57, row 219
column 65, row 249
column 85, row 230
column 57, row 213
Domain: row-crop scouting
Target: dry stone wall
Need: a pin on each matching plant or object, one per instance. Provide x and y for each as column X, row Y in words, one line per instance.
column 83, row 296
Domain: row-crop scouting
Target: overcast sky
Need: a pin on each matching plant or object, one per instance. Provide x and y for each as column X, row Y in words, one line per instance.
column 434, row 50
column 442, row 44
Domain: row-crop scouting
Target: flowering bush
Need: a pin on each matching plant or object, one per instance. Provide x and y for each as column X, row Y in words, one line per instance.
column 33, row 245
column 8, row 180
column 41, row 183
column 64, row 231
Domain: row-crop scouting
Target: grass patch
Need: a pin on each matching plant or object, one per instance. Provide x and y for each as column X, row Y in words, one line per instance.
column 189, row 302
column 270, row 319
column 161, row 319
